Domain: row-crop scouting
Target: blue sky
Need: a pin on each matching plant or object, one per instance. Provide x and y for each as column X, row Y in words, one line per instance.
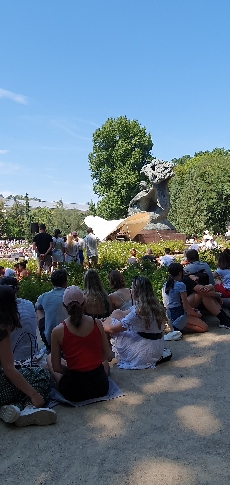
column 69, row 65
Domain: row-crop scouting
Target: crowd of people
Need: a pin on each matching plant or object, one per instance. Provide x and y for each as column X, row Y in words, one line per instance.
column 82, row 330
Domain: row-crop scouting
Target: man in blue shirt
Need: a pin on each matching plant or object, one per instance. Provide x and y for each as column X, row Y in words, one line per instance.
column 49, row 307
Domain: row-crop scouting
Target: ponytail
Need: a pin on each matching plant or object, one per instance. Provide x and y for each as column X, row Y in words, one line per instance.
column 169, row 284
column 75, row 312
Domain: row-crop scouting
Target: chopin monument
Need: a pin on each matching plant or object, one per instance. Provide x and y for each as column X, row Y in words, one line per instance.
column 153, row 197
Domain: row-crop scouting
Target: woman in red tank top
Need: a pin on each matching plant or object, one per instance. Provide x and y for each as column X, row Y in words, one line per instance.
column 85, row 346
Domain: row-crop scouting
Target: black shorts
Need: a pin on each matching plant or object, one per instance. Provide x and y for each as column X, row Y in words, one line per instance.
column 78, row 386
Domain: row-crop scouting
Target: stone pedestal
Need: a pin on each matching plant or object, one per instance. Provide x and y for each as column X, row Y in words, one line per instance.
column 156, row 236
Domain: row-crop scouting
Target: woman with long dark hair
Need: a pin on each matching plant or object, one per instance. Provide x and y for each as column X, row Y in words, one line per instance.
column 97, row 303
column 121, row 297
column 137, row 335
column 84, row 344
column 23, row 392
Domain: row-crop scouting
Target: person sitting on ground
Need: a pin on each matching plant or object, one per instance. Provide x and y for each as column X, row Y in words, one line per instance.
column 23, row 339
column 133, row 259
column 58, row 249
column 83, row 341
column 201, row 293
column 71, row 249
column 16, row 270
column 137, row 335
column 223, row 273
column 42, row 246
column 49, row 306
column 22, row 271
column 149, row 256
column 195, row 265
column 121, row 297
column 23, row 392
column 182, row 315
column 167, row 259
column 2, row 271
column 97, row 303
column 195, row 244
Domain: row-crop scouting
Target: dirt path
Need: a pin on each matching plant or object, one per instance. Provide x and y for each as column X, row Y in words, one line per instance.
column 171, row 427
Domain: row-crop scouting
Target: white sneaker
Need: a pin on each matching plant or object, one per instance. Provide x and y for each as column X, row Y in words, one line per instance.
column 9, row 413
column 38, row 416
column 166, row 353
column 175, row 335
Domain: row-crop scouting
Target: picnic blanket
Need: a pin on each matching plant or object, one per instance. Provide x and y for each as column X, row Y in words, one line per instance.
column 57, row 398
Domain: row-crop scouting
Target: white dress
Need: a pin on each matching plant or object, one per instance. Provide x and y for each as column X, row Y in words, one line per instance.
column 133, row 351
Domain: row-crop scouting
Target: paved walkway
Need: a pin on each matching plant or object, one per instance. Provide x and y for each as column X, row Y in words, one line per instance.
column 171, row 427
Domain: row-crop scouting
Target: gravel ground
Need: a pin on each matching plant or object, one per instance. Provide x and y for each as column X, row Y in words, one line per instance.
column 171, row 427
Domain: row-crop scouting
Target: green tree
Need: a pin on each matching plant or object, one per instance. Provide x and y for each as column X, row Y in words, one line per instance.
column 120, row 149
column 15, row 217
column 2, row 219
column 27, row 219
column 200, row 193
column 43, row 215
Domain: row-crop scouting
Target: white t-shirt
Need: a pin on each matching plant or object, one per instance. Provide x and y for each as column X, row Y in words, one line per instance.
column 166, row 260
column 24, row 340
column 91, row 243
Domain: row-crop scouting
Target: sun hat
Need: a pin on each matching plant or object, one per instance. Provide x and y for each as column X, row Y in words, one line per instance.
column 73, row 293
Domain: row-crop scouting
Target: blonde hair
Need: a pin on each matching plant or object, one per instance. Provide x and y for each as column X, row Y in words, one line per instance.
column 147, row 305
column 70, row 241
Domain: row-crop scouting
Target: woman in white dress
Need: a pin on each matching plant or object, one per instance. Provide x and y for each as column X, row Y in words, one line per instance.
column 71, row 249
column 137, row 335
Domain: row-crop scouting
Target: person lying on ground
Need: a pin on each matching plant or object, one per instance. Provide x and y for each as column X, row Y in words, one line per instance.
column 137, row 335
column 83, row 341
column 24, row 392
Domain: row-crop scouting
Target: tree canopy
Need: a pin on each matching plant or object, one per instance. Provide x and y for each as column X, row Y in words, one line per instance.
column 120, row 149
column 200, row 192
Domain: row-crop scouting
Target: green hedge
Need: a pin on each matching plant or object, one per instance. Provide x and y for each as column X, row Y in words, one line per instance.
column 112, row 255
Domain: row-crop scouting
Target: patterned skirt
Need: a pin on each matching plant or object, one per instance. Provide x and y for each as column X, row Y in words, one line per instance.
column 37, row 377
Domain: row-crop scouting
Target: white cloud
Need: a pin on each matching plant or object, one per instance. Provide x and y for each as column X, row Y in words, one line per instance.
column 8, row 168
column 18, row 98
column 6, row 193
column 2, row 152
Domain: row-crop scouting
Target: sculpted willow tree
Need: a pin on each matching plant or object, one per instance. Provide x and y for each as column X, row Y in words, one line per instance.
column 120, row 149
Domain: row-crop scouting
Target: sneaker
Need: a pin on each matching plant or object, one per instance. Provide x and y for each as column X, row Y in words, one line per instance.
column 9, row 413
column 38, row 416
column 166, row 355
column 224, row 326
column 175, row 335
